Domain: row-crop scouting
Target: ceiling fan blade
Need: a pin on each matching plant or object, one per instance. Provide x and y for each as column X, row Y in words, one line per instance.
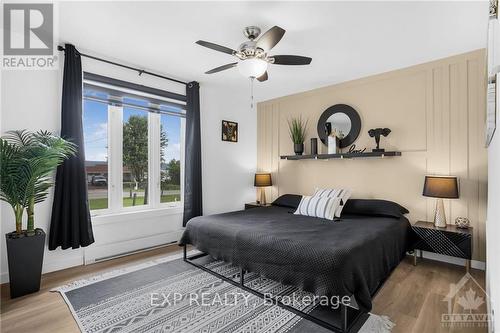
column 216, row 47
column 270, row 38
column 291, row 60
column 263, row 77
column 222, row 68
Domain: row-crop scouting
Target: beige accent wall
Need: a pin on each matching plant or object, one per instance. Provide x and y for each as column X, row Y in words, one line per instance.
column 436, row 112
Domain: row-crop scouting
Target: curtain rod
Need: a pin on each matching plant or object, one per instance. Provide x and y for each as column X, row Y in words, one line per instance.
column 140, row 71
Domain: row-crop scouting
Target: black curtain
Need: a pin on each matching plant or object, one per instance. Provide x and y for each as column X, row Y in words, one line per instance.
column 192, row 170
column 70, row 225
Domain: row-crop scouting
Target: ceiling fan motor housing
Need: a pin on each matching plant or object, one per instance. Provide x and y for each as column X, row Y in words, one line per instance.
column 251, row 32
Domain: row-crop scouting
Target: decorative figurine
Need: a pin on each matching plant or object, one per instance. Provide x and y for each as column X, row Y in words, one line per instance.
column 353, row 150
column 376, row 132
column 462, row 222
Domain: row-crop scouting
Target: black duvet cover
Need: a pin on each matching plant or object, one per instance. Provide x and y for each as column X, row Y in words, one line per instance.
column 334, row 258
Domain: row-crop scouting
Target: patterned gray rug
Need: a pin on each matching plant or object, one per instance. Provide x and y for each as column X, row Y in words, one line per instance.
column 169, row 295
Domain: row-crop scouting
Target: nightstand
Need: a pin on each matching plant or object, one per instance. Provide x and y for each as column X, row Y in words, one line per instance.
column 251, row 205
column 450, row 241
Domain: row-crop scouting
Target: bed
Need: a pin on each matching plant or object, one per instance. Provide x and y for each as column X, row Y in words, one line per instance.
column 350, row 256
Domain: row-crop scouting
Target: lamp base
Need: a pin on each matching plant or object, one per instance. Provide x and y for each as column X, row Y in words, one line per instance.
column 439, row 215
column 263, row 196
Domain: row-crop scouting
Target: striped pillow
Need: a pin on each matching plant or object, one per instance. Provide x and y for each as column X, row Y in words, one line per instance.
column 322, row 207
column 341, row 193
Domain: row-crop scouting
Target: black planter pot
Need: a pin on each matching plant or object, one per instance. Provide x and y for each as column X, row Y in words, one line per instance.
column 298, row 148
column 25, row 256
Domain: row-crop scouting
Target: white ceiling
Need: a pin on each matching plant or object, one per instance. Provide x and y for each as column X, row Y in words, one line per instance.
column 346, row 40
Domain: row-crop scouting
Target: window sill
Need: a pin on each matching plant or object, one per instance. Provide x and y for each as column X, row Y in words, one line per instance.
column 106, row 217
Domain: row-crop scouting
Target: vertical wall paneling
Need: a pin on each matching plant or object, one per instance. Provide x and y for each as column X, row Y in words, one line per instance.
column 437, row 116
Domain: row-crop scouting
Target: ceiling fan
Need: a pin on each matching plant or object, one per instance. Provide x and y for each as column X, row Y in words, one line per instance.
column 253, row 58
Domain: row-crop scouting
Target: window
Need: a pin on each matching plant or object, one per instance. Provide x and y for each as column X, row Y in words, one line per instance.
column 135, row 157
column 134, row 144
column 95, row 128
column 170, row 158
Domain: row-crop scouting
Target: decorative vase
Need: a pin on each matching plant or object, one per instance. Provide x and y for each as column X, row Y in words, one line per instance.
column 314, row 146
column 332, row 145
column 298, row 148
column 462, row 222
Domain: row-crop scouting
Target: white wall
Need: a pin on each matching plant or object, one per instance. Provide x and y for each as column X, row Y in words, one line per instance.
column 31, row 100
column 228, row 167
column 493, row 215
column 493, row 225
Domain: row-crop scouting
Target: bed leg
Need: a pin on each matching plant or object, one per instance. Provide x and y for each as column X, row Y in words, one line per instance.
column 343, row 316
column 184, row 252
column 242, row 276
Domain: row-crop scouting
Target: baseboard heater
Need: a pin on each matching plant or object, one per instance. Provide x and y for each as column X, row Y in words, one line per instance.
column 128, row 253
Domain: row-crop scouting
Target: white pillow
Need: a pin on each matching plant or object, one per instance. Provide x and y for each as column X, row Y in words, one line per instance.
column 322, row 207
column 342, row 193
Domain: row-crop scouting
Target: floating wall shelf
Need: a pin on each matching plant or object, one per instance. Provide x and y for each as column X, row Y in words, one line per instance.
column 341, row 156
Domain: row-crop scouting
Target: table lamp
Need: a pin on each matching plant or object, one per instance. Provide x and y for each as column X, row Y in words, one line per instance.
column 262, row 180
column 440, row 187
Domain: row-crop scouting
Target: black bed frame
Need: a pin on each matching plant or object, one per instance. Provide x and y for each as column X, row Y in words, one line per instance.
column 349, row 315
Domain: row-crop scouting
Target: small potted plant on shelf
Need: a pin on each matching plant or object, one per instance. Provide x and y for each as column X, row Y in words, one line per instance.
column 27, row 161
column 297, row 127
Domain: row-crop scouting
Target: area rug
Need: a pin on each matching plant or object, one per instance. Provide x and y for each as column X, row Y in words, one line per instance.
column 169, row 295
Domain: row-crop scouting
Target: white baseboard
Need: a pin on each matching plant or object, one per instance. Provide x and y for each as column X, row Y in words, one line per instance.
column 455, row 261
column 108, row 251
column 52, row 265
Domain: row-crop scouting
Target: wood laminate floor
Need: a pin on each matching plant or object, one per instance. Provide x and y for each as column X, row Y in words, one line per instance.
column 412, row 297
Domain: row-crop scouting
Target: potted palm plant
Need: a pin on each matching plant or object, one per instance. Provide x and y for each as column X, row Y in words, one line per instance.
column 297, row 128
column 27, row 161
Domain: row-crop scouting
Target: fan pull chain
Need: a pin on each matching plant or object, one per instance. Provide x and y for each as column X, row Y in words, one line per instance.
column 251, row 93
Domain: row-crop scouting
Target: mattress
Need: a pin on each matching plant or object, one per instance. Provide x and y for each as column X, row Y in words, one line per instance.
column 351, row 256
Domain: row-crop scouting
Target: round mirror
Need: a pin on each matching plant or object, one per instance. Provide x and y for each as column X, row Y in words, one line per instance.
column 340, row 123
column 342, row 119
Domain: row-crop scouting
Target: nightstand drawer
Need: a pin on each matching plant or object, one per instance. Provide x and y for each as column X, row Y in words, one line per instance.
column 450, row 241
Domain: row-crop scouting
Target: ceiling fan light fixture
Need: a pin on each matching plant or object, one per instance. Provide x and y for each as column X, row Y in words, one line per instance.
column 253, row 54
column 252, row 67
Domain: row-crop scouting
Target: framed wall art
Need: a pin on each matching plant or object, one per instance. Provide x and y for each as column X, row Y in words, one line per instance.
column 494, row 9
column 229, row 131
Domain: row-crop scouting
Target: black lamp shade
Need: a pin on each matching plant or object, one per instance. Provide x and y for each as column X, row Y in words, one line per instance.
column 262, row 180
column 441, row 187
